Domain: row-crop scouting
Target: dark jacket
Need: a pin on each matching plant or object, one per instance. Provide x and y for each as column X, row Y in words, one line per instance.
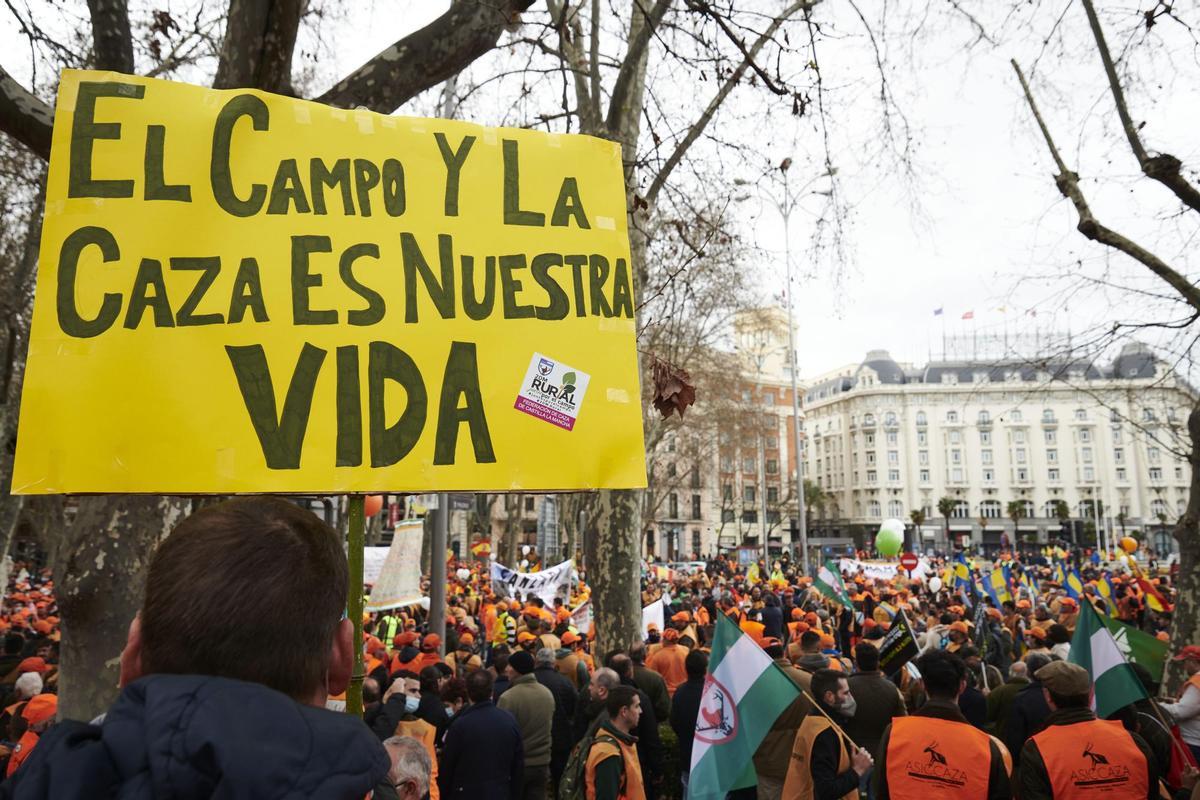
column 828, row 783
column 973, row 705
column 1025, row 718
column 195, row 736
column 564, row 711
column 878, row 701
column 655, row 688
column 532, row 705
column 1033, row 782
column 772, row 620
column 999, row 784
column 483, row 757
column 999, row 703
column 685, row 707
column 649, row 745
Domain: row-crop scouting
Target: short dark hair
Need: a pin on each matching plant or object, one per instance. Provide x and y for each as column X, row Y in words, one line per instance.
column 696, row 663
column 253, row 589
column 622, row 665
column 808, row 639
column 619, row 697
column 942, row 673
column 479, row 685
column 1058, row 634
column 866, row 655
column 826, row 680
column 429, row 677
column 500, row 662
column 455, row 689
column 1035, row 661
column 637, row 651
column 370, row 690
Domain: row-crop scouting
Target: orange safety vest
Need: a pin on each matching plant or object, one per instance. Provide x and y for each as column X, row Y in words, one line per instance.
column 1192, row 681
column 754, row 629
column 799, row 781
column 605, row 746
column 1096, row 758
column 426, row 734
column 21, row 752
column 935, row 758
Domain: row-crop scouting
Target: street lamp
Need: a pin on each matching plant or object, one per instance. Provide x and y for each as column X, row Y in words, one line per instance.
column 785, row 208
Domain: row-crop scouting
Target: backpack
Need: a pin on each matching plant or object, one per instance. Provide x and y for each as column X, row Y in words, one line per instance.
column 573, row 783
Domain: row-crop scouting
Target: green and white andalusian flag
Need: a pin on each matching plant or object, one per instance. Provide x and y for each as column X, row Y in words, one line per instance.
column 1114, row 683
column 829, row 583
column 744, row 693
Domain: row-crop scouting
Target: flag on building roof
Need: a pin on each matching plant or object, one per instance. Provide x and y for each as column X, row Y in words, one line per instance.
column 828, row 582
column 743, row 695
column 1114, row 683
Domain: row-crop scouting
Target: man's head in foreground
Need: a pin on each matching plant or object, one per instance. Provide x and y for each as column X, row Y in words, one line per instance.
column 252, row 589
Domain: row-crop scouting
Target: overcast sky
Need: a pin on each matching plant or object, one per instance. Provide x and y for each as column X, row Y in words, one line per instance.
column 986, row 208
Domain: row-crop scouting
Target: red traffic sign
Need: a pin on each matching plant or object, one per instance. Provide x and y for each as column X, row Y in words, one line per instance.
column 909, row 561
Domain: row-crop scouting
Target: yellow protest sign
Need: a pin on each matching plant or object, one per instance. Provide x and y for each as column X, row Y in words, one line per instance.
column 241, row 292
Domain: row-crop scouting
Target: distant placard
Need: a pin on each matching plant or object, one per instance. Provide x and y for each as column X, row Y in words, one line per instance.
column 243, row 292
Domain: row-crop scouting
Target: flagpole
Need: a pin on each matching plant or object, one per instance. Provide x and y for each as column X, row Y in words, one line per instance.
column 836, row 727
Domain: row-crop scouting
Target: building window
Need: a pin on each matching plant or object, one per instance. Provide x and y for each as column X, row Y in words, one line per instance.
column 893, row 457
column 984, row 417
column 989, row 476
column 921, row 422
column 985, row 456
column 1179, row 473
column 1051, row 437
column 1022, row 474
column 1152, row 455
column 769, row 398
column 962, row 510
column 1156, row 473
column 673, row 506
column 1047, row 416
column 922, row 457
column 1052, row 473
column 1147, row 415
column 924, row 476
column 1080, row 414
column 889, row 419
column 1089, row 474
column 696, row 542
column 952, row 417
column 870, row 440
column 1086, row 454
column 745, row 395
column 922, row 439
column 895, row 509
column 956, row 456
column 1019, row 437
column 1116, row 435
column 529, row 504
column 748, row 492
column 1120, row 473
column 772, row 494
column 696, row 512
column 1052, row 456
column 990, row 509
column 727, row 492
column 873, row 509
column 956, row 475
column 871, row 475
column 1015, row 416
column 726, row 464
column 891, row 438
column 1158, row 508
column 955, row 437
column 773, row 466
column 1020, row 454
column 985, row 437
column 1085, row 434
column 1118, row 455
column 750, row 516
column 894, row 475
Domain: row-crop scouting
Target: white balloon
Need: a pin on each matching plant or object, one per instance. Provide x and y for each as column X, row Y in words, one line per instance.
column 524, row 549
column 463, row 574
column 893, row 524
column 524, row 563
column 935, row 584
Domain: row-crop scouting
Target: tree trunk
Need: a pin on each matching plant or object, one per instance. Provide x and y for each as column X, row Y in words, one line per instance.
column 512, row 530
column 1187, row 533
column 612, row 546
column 101, row 574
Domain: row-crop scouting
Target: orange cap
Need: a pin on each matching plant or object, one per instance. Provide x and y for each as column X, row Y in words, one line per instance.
column 569, row 638
column 797, row 613
column 681, row 616
column 670, row 635
column 430, row 643
column 402, row 639
column 525, row 636
column 33, row 664
column 466, row 638
column 40, row 708
column 959, row 626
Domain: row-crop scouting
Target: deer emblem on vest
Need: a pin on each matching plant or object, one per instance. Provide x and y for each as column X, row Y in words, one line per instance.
column 1096, row 758
column 934, row 756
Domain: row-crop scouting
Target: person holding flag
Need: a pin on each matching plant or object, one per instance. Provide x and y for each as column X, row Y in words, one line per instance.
column 825, row 764
column 1077, row 755
column 1185, row 710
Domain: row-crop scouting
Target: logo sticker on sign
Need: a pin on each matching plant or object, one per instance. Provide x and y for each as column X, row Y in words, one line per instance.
column 552, row 391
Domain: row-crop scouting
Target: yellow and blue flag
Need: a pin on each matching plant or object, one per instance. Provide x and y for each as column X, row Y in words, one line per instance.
column 997, row 587
column 1074, row 584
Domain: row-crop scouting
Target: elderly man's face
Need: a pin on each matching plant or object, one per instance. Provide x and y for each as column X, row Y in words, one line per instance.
column 597, row 691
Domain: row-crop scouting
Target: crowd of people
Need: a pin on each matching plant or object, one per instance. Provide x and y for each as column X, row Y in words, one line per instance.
column 508, row 697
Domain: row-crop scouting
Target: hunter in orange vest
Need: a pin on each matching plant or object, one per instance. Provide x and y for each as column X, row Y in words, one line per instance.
column 1078, row 756
column 821, row 753
column 936, row 754
column 612, row 770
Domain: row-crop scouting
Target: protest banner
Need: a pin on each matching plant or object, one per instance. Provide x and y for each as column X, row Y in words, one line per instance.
column 655, row 613
column 399, row 582
column 547, row 584
column 244, row 292
column 373, row 560
column 898, row 646
column 581, row 618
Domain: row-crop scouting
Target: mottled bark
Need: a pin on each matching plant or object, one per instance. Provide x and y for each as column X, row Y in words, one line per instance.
column 513, row 504
column 260, row 36
column 24, row 117
column 101, row 574
column 112, row 41
column 1184, row 622
column 612, row 546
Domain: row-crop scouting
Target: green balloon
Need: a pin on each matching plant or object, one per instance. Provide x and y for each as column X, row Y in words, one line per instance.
column 889, row 541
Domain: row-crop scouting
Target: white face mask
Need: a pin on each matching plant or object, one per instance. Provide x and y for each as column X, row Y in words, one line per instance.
column 848, row 707
column 411, row 703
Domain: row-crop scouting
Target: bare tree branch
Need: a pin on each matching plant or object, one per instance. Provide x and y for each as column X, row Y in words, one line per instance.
column 426, row 57
column 632, row 66
column 747, row 58
column 1164, row 167
column 24, row 117
column 112, row 42
column 710, row 110
column 570, row 35
column 260, row 36
column 1068, row 185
